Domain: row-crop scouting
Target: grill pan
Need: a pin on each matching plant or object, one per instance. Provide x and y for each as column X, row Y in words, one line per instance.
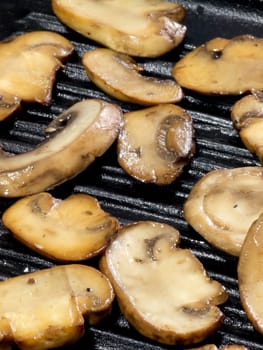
column 218, row 146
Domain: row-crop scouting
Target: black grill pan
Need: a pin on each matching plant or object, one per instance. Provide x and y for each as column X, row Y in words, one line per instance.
column 218, row 146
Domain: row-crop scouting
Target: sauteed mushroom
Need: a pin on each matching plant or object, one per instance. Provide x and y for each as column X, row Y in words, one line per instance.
column 223, row 204
column 223, row 66
column 28, row 64
column 77, row 136
column 119, row 76
column 156, row 143
column 226, row 347
column 73, row 229
column 146, row 28
column 162, row 290
column 45, row 309
column 250, row 274
column 8, row 105
column 247, row 117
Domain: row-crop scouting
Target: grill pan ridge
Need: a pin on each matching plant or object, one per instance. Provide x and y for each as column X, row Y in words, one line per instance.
column 218, row 146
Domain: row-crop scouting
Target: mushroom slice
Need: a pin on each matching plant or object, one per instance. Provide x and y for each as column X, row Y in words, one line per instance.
column 77, row 136
column 162, row 290
column 73, row 229
column 226, row 347
column 222, row 205
column 9, row 104
column 45, row 309
column 223, row 66
column 145, row 28
column 29, row 62
column 250, row 274
column 247, row 117
column 156, row 143
column 118, row 75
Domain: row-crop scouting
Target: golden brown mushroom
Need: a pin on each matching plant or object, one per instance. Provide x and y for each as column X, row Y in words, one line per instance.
column 77, row 136
column 45, row 309
column 28, row 65
column 223, row 204
column 145, row 28
column 226, row 347
column 72, row 229
column 156, row 143
column 223, row 66
column 247, row 117
column 162, row 290
column 9, row 104
column 250, row 274
column 119, row 76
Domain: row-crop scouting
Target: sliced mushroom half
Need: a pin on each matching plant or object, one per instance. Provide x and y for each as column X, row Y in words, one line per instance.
column 29, row 62
column 119, row 76
column 223, row 204
column 156, row 143
column 9, row 104
column 223, row 66
column 76, row 137
column 162, row 290
column 250, row 274
column 73, row 229
column 146, row 28
column 46, row 309
column 247, row 117
column 226, row 347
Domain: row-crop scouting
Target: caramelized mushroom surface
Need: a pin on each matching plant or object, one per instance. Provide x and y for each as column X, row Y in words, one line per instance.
column 162, row 290
column 72, row 229
column 250, row 274
column 223, row 204
column 45, row 309
column 156, row 143
column 223, row 66
column 145, row 28
column 9, row 104
column 119, row 76
column 247, row 117
column 28, row 65
column 226, row 347
column 77, row 136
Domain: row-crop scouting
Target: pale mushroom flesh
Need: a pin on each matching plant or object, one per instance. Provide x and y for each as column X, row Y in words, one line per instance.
column 222, row 205
column 121, row 77
column 146, row 28
column 156, row 143
column 247, row 117
column 250, row 272
column 223, row 66
column 162, row 290
column 47, row 308
column 73, row 229
column 28, row 65
column 76, row 138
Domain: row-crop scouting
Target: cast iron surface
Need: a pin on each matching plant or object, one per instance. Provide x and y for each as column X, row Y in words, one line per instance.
column 218, row 146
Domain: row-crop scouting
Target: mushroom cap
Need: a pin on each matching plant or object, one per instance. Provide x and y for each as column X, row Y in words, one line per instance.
column 76, row 138
column 156, row 143
column 37, row 315
column 146, row 28
column 119, row 76
column 146, row 268
column 223, row 66
column 73, row 229
column 250, row 272
column 222, row 205
column 29, row 62
column 247, row 114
